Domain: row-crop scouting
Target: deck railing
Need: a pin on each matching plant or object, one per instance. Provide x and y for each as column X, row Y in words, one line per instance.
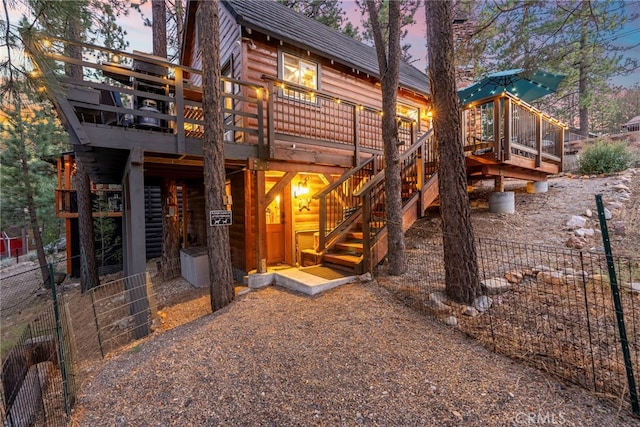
column 141, row 91
column 305, row 116
column 504, row 126
column 107, row 202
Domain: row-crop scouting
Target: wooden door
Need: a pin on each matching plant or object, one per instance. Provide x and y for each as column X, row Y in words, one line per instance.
column 276, row 232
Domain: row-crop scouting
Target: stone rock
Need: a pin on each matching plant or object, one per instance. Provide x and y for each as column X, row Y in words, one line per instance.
column 495, row 285
column 482, row 303
column 435, row 303
column 607, row 214
column 575, row 242
column 576, row 221
column 632, row 286
column 366, row 277
column 621, row 187
column 540, row 267
column 438, row 297
column 514, row 276
column 584, row 232
column 551, row 277
column 470, row 311
column 451, row 320
column 588, row 213
column 614, row 206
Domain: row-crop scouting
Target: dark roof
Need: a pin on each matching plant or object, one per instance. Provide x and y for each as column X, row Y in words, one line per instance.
column 280, row 22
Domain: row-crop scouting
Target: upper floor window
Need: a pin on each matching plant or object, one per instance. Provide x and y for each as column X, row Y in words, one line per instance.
column 299, row 71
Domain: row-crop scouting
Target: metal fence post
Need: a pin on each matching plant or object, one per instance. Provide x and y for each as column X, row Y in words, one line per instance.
column 615, row 292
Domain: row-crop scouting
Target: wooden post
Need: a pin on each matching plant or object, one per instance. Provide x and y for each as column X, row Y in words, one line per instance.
column 539, row 139
column 507, row 129
column 366, row 232
column 179, row 111
column 271, row 149
column 356, row 138
column 499, row 183
column 185, row 216
column 134, row 237
column 261, row 223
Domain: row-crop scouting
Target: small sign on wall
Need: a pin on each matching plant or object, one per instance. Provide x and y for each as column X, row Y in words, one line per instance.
column 217, row 218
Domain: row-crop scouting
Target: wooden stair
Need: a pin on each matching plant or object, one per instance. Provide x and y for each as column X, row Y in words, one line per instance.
column 347, row 254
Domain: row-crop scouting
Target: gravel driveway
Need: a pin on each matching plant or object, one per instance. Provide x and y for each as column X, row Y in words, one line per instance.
column 351, row 356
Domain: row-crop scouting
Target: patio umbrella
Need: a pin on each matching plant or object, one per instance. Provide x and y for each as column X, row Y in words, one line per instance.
column 527, row 86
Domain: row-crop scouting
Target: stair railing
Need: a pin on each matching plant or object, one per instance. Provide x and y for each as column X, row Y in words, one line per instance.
column 339, row 208
column 417, row 168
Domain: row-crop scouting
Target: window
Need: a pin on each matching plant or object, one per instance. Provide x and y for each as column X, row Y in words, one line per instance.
column 407, row 111
column 300, row 72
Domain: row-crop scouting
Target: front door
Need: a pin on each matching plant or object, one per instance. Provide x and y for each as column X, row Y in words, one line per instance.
column 276, row 232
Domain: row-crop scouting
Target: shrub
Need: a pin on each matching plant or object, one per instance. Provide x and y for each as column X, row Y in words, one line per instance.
column 604, row 158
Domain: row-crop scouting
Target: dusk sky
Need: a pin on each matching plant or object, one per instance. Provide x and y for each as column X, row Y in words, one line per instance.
column 140, row 37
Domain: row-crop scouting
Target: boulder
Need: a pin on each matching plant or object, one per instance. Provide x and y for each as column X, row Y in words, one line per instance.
column 576, row 221
column 552, row 277
column 451, row 320
column 495, row 285
column 514, row 276
column 482, row 303
column 575, row 242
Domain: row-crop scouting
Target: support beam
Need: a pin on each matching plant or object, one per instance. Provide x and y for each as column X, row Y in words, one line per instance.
column 261, row 223
column 134, row 242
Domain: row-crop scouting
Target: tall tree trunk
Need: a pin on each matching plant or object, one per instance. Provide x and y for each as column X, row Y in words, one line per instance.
column 170, row 228
column 31, row 205
column 168, row 189
column 220, row 272
column 583, row 89
column 89, row 277
column 159, row 27
column 460, row 258
column 389, row 55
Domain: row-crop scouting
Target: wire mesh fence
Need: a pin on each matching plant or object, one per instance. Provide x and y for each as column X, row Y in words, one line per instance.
column 38, row 376
column 51, row 334
column 550, row 307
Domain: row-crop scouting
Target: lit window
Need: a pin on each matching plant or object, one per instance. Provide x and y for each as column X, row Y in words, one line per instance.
column 300, row 72
column 407, row 111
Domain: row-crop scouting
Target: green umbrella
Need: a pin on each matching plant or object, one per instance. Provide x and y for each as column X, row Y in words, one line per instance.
column 526, row 86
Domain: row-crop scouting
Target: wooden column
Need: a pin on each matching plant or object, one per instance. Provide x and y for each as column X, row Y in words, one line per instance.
column 134, row 215
column 261, row 223
column 134, row 242
column 499, row 183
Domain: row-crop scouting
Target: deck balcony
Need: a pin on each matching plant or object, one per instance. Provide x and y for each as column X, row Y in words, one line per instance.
column 504, row 134
column 139, row 101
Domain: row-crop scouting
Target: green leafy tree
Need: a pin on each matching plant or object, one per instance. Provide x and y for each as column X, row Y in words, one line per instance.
column 31, row 137
column 328, row 12
column 572, row 37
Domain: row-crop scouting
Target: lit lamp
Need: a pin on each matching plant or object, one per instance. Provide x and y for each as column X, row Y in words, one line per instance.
column 300, row 193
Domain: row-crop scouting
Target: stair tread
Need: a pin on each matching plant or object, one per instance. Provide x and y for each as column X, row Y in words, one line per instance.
column 350, row 245
column 343, row 259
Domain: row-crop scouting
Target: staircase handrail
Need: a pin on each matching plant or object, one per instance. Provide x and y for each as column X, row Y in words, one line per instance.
column 380, row 175
column 343, row 178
